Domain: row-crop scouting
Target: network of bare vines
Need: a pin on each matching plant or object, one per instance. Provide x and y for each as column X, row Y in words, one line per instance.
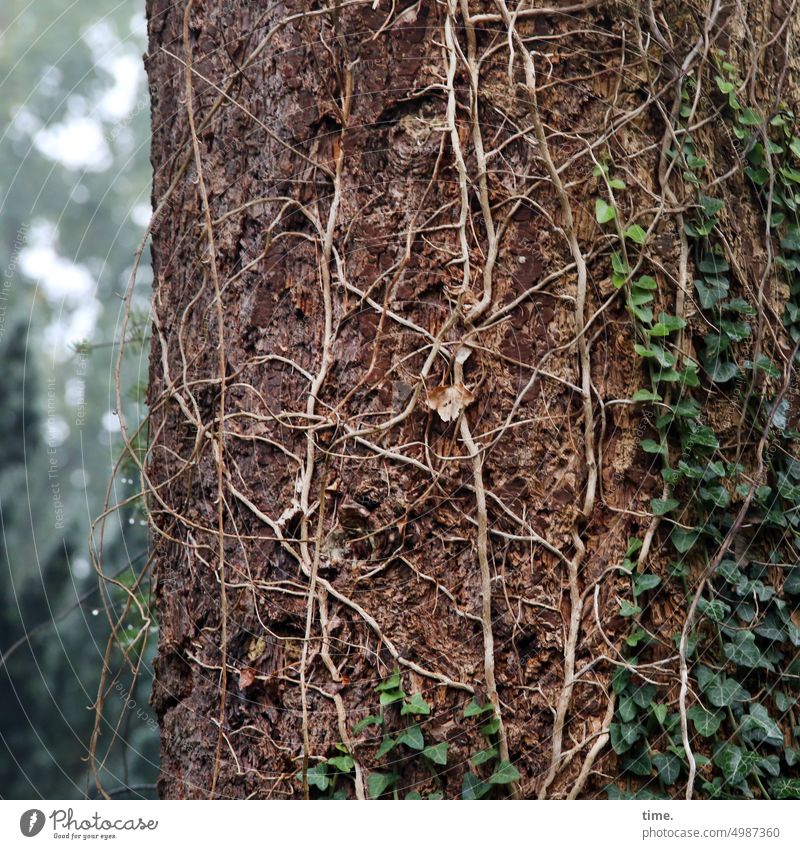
column 391, row 425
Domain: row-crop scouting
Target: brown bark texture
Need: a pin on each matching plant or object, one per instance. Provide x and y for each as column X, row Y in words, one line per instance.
column 390, row 427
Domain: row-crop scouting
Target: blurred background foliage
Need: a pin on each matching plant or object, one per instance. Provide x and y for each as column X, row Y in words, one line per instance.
column 74, row 203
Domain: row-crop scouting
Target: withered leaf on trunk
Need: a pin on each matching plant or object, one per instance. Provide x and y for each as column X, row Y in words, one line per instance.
column 255, row 648
column 246, row 677
column 449, row 401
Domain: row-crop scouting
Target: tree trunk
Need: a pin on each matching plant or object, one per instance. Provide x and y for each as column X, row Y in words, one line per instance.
column 398, row 285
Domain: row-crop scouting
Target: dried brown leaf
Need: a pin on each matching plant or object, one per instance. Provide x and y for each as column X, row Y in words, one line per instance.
column 256, row 647
column 449, row 401
column 246, row 677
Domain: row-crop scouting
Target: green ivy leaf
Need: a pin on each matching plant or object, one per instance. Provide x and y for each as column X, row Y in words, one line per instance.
column 687, row 408
column 759, row 727
column 389, row 697
column 742, row 649
column 699, row 227
column 604, row 211
column 711, row 290
column 624, row 736
column 791, row 239
column 668, row 767
column 634, row 545
column 667, row 324
column 365, row 723
column 393, row 682
column 715, row 344
column 739, row 305
column 662, row 357
column 474, row 708
column 683, row 540
column 750, row 118
column 412, row 737
column 379, row 782
column 317, row 776
column 792, row 756
column 792, row 583
column 765, row 364
column 416, row 705
column 620, row 678
column 627, row 709
column 695, row 162
column 678, row 570
column 637, row 637
column 483, row 756
column 711, row 206
column 644, row 694
column 646, row 395
column 344, row 763
column 386, row 746
column 790, row 174
column 706, row 724
column 688, row 377
column 715, row 610
column 785, row 788
column 717, row 495
column 506, row 773
column 628, row 609
column 641, row 296
column 667, row 375
column 619, row 265
column 636, row 234
column 758, row 175
column 730, row 759
column 649, row 446
column 662, row 506
column 703, row 437
column 491, row 727
column 671, row 322
column 736, row 331
column 642, row 351
column 724, row 85
column 721, row 371
column 437, row 754
column 720, row 690
column 639, row 763
column 643, row 583
column 713, row 264
column 693, row 471
column 473, row 788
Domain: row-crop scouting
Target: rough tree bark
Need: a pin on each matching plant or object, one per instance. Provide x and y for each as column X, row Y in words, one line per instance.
column 390, row 374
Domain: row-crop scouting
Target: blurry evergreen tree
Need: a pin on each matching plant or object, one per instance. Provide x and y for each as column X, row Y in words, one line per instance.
column 74, row 190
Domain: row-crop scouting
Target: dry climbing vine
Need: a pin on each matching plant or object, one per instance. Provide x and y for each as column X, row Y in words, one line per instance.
column 415, row 426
